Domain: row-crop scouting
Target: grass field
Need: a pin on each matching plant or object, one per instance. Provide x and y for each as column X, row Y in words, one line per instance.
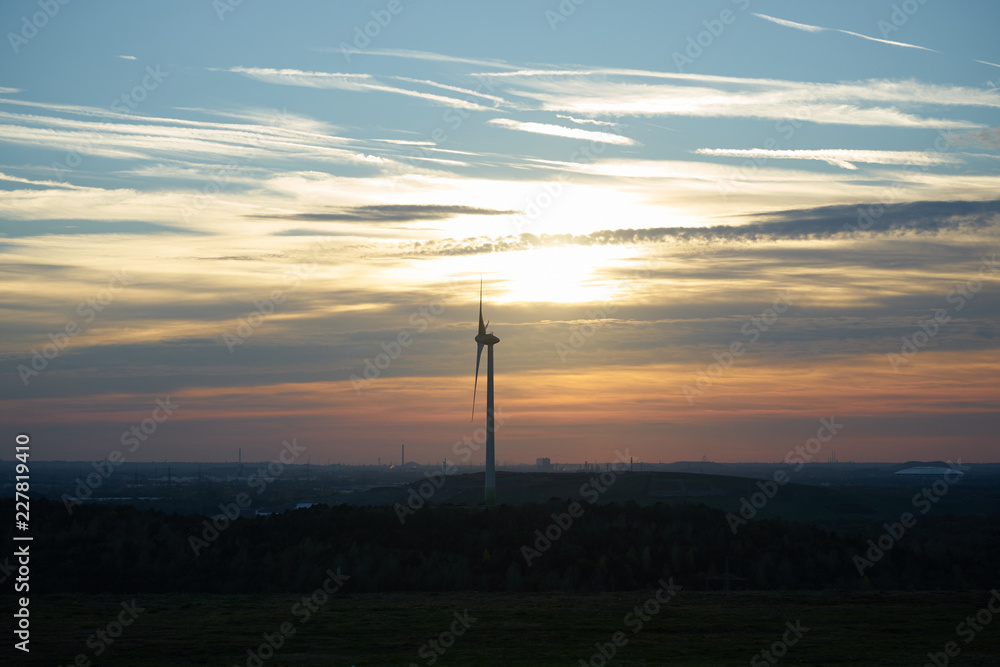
column 693, row 628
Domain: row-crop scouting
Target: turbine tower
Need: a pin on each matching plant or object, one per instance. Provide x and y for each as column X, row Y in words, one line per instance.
column 486, row 340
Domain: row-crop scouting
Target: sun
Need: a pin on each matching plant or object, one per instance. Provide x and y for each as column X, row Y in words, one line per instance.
column 557, row 274
column 570, row 274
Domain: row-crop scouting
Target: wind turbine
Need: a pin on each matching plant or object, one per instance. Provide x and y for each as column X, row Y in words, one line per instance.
column 486, row 340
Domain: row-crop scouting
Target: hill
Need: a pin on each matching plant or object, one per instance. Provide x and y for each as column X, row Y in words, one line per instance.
column 757, row 499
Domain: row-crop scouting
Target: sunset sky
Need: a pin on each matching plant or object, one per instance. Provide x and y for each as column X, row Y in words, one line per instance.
column 236, row 207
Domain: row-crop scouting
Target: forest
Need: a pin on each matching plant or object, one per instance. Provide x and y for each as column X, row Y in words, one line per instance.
column 120, row 549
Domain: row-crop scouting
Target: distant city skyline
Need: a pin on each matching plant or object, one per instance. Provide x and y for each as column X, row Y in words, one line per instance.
column 725, row 230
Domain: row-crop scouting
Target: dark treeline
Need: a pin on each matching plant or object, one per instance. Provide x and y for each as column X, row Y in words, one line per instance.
column 120, row 549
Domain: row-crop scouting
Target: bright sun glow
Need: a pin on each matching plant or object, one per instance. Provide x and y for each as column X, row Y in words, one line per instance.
column 555, row 275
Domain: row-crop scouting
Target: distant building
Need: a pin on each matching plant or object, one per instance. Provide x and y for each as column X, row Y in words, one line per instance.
column 544, row 465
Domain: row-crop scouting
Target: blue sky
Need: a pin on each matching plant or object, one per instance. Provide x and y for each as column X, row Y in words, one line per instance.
column 634, row 182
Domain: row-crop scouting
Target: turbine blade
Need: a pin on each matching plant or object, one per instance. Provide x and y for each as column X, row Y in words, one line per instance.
column 479, row 355
column 482, row 327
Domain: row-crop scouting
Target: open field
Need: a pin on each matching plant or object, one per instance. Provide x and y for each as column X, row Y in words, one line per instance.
column 693, row 628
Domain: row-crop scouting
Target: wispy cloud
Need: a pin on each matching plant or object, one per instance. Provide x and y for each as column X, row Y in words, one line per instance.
column 264, row 117
column 414, row 54
column 271, row 121
column 790, row 24
column 406, row 142
column 123, row 136
column 390, row 213
column 875, row 102
column 587, row 121
column 883, row 90
column 455, row 89
column 126, row 57
column 47, row 184
column 840, row 157
column 815, row 28
column 827, row 222
column 342, row 81
column 560, row 131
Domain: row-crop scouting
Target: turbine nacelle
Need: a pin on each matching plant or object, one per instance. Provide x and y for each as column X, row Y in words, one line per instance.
column 487, row 339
